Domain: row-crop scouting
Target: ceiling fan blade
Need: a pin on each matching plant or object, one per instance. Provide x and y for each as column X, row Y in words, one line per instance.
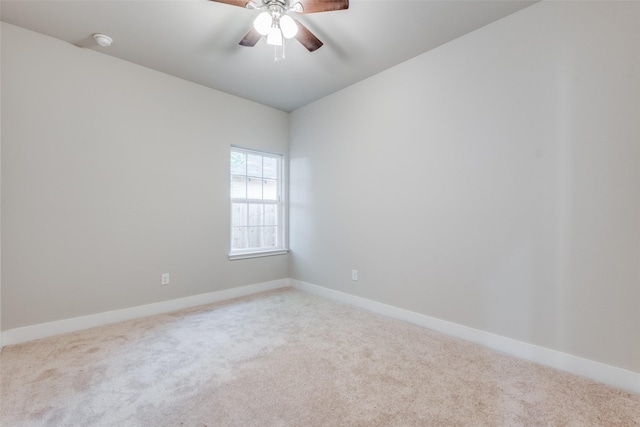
column 307, row 38
column 239, row 3
column 251, row 38
column 313, row 6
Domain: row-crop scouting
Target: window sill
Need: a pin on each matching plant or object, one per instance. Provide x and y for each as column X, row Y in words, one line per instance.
column 247, row 255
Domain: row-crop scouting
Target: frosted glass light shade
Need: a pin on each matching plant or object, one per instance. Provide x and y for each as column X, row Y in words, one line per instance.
column 262, row 23
column 274, row 37
column 288, row 26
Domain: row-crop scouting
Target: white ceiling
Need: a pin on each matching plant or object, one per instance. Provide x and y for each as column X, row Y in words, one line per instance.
column 197, row 40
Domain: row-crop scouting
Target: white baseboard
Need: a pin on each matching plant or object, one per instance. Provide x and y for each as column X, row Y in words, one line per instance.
column 597, row 371
column 43, row 330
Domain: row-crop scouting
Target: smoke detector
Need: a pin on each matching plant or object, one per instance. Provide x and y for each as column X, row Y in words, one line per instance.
column 103, row 40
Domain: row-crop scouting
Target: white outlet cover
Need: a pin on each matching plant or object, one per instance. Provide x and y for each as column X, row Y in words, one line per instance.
column 165, row 279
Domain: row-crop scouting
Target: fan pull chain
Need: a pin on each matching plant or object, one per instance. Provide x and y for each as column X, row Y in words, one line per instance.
column 275, row 53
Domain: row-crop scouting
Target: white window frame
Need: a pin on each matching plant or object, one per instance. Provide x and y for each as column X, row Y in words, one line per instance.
column 281, row 247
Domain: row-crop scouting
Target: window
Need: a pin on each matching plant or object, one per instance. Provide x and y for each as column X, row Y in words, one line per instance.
column 256, row 204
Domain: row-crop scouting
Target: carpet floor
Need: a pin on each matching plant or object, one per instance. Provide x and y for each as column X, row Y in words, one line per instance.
column 288, row 358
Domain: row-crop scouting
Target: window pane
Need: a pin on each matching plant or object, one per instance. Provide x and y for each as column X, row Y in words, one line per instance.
column 239, row 238
column 270, row 215
column 238, row 187
column 270, row 188
column 270, row 167
column 254, row 165
column 256, row 214
column 239, row 214
column 255, row 237
column 238, row 163
column 270, row 237
column 254, row 188
column 255, row 176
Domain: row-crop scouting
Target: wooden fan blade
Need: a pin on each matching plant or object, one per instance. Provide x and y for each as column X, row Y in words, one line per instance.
column 307, row 38
column 239, row 3
column 251, row 38
column 314, row 6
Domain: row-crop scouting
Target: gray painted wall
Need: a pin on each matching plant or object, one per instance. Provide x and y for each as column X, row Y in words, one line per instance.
column 113, row 174
column 493, row 182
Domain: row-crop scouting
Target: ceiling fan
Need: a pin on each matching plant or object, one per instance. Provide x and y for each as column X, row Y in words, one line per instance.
column 275, row 23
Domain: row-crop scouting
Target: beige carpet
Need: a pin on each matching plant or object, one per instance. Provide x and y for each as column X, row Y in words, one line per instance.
column 287, row 358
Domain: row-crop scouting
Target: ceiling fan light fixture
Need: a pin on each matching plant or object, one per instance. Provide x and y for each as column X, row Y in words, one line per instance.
column 288, row 26
column 276, row 25
column 263, row 23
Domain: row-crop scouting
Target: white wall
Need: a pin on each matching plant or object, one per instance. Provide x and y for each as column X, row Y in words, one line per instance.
column 113, row 174
column 521, row 142
column 1, row 192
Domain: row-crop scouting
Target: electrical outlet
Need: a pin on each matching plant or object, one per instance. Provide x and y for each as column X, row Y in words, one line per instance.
column 354, row 274
column 165, row 279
